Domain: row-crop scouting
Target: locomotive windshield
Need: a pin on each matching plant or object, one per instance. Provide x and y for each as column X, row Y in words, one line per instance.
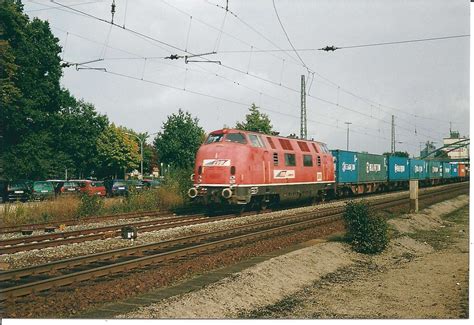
column 214, row 137
column 236, row 137
column 230, row 137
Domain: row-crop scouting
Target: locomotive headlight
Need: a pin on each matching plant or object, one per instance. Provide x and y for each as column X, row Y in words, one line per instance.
column 232, row 179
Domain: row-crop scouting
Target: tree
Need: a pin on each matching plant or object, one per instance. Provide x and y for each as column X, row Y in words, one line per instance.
column 30, row 93
column 179, row 141
column 76, row 130
column 398, row 154
column 44, row 129
column 255, row 121
column 117, row 151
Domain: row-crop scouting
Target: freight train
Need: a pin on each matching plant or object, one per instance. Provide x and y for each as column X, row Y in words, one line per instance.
column 235, row 167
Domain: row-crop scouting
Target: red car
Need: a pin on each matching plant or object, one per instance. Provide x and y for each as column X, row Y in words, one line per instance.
column 92, row 187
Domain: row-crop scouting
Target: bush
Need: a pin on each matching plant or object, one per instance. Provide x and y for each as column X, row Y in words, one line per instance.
column 366, row 232
column 179, row 181
column 90, row 206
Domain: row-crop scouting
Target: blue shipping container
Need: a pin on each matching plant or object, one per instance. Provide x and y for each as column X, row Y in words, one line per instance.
column 398, row 168
column 454, row 170
column 417, row 169
column 446, row 170
column 345, row 166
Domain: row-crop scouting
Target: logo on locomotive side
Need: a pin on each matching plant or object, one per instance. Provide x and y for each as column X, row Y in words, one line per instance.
column 348, row 167
column 216, row 162
column 283, row 174
column 399, row 168
column 372, row 167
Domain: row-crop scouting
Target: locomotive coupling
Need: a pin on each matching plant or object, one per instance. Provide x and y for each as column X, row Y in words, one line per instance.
column 227, row 193
column 192, row 192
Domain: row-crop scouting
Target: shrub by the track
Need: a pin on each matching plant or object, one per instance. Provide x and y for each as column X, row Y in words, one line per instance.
column 367, row 232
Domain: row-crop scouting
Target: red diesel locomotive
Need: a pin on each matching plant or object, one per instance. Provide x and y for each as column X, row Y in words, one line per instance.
column 241, row 167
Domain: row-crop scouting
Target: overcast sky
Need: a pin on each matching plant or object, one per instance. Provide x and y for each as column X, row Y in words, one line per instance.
column 424, row 84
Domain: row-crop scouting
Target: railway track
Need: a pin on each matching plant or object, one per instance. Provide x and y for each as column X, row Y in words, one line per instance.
column 19, row 244
column 28, row 280
column 72, row 222
column 14, row 245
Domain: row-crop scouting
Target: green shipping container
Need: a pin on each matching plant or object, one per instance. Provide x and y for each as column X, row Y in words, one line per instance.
column 435, row 169
column 372, row 168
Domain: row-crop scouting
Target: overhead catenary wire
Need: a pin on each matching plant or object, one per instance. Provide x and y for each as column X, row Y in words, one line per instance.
column 218, row 98
column 167, row 44
column 327, row 101
column 259, row 92
column 287, row 37
column 172, row 46
column 287, row 51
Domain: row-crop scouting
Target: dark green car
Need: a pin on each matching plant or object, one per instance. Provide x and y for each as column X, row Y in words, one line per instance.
column 43, row 190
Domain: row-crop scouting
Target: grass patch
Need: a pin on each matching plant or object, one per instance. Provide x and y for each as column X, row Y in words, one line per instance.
column 443, row 237
column 458, row 216
column 285, row 305
column 76, row 207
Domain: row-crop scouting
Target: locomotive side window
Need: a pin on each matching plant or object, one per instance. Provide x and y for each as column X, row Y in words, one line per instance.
column 315, row 148
column 236, row 137
column 303, row 146
column 290, row 159
column 319, row 160
column 256, row 141
column 214, row 138
column 275, row 159
column 307, row 160
column 270, row 141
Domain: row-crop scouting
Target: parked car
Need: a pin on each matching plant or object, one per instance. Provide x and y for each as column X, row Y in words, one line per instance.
column 70, row 187
column 151, row 183
column 3, row 190
column 92, row 187
column 115, row 187
column 43, row 190
column 57, row 184
column 135, row 185
column 19, row 190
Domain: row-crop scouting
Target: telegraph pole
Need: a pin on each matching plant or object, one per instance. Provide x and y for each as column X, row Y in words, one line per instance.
column 347, row 143
column 393, row 133
column 304, row 127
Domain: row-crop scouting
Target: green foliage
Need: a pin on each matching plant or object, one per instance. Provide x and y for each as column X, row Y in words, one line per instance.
column 255, row 121
column 366, row 231
column 117, row 151
column 179, row 181
column 77, row 127
column 179, row 141
column 90, row 205
column 398, row 154
column 44, row 129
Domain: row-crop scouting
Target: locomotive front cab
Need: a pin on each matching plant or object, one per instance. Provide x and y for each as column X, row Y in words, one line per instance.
column 220, row 167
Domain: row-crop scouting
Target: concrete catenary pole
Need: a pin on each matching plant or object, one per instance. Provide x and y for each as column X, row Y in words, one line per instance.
column 347, row 143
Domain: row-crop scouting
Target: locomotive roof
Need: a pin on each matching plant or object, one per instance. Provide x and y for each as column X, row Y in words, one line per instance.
column 225, row 130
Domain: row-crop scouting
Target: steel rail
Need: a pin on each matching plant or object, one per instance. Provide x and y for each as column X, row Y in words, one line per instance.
column 71, row 222
column 82, row 232
column 48, row 240
column 298, row 222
